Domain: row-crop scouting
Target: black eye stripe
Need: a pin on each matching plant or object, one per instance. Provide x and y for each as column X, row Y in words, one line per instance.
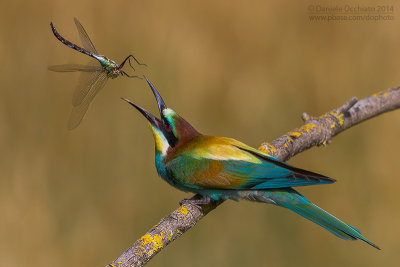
column 167, row 125
column 171, row 138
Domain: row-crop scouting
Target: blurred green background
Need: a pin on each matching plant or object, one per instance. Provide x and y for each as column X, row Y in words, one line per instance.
column 243, row 69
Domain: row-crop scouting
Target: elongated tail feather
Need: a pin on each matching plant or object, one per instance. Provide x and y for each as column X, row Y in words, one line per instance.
column 291, row 199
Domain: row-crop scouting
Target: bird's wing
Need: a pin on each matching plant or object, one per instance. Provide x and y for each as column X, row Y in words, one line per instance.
column 229, row 164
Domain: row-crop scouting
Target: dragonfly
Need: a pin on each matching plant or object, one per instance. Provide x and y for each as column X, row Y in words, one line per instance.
column 93, row 76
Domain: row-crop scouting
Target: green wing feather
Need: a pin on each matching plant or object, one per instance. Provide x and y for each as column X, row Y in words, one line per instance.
column 224, row 163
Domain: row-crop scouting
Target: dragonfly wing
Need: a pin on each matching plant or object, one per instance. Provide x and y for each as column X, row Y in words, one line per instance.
column 87, row 43
column 78, row 112
column 75, row 67
column 86, row 81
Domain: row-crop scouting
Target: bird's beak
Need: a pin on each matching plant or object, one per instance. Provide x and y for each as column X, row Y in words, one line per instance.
column 160, row 101
column 153, row 120
column 150, row 117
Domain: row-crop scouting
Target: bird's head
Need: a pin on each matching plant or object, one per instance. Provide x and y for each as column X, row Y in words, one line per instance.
column 171, row 130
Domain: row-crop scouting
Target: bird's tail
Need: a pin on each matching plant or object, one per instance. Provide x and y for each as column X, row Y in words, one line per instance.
column 291, row 199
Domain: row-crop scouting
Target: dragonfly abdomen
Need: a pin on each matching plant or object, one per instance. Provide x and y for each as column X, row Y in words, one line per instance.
column 68, row 43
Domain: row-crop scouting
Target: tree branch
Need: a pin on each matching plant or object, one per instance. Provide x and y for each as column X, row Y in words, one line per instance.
column 315, row 131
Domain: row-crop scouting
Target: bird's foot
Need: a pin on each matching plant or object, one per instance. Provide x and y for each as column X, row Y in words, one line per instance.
column 200, row 201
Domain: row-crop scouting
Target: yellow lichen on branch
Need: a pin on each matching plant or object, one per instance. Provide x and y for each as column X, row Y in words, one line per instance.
column 183, row 210
column 267, row 148
column 155, row 240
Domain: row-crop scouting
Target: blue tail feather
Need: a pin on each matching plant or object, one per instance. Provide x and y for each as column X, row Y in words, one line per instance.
column 294, row 201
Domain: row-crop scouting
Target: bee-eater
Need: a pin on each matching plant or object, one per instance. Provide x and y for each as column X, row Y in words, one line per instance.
column 224, row 168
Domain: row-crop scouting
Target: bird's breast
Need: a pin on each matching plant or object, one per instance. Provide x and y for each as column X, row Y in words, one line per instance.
column 168, row 175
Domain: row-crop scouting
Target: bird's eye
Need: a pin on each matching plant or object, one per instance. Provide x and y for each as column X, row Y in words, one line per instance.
column 168, row 126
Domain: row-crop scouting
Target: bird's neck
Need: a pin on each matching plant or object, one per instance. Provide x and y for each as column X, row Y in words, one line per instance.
column 160, row 141
column 160, row 164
